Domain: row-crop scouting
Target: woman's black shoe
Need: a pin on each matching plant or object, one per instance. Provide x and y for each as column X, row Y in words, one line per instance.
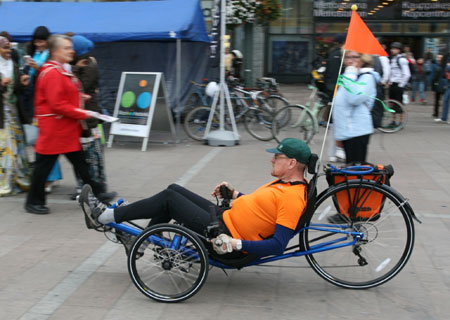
column 36, row 208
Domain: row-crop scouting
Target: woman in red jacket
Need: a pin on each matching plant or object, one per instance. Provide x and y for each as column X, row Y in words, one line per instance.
column 57, row 109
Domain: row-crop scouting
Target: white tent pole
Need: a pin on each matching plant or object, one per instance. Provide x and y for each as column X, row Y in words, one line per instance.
column 222, row 137
column 178, row 84
column 222, row 63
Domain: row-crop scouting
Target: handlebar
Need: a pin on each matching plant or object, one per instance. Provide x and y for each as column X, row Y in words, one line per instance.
column 226, row 195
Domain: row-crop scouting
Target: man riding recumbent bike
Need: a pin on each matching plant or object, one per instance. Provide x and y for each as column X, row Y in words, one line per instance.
column 366, row 246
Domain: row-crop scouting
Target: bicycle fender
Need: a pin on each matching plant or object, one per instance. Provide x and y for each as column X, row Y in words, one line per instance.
column 405, row 203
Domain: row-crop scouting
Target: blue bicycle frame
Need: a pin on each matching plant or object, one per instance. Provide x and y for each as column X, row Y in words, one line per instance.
column 349, row 238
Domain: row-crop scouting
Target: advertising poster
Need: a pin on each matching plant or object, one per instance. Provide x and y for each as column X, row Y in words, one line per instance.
column 136, row 98
column 141, row 107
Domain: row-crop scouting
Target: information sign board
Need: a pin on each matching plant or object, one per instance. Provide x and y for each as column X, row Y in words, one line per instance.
column 141, row 106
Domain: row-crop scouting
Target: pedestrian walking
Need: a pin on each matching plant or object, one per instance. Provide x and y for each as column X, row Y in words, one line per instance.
column 439, row 83
column 444, row 117
column 419, row 78
column 58, row 110
column 399, row 78
column 37, row 55
column 429, row 65
column 84, row 66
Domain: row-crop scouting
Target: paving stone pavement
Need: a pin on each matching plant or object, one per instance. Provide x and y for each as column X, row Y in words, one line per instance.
column 52, row 267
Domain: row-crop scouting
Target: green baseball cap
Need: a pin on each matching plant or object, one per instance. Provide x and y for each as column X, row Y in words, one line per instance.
column 293, row 148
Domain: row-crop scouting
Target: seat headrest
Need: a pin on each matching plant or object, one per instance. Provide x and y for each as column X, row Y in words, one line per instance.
column 312, row 163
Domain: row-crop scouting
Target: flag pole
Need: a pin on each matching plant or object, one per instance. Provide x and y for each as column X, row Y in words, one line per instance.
column 331, row 110
column 354, row 8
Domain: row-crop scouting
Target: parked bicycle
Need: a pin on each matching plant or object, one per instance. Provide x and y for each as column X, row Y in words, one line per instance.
column 198, row 97
column 252, row 108
column 301, row 121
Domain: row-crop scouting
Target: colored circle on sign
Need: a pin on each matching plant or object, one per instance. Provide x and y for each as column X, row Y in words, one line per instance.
column 143, row 83
column 144, row 99
column 128, row 99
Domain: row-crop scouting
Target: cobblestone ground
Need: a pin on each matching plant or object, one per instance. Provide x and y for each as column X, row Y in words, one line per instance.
column 52, row 267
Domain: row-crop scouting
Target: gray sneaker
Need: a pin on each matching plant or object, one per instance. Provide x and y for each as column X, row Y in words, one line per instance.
column 92, row 207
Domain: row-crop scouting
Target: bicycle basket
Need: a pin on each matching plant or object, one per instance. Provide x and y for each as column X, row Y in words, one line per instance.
column 359, row 203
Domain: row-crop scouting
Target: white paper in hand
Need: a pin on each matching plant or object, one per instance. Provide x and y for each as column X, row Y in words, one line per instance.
column 104, row 117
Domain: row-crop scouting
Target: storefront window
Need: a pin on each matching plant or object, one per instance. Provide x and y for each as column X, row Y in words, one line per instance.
column 331, row 27
column 289, row 54
column 296, row 17
column 427, row 27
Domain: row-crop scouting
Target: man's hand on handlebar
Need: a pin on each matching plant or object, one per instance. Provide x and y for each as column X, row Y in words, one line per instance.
column 233, row 192
column 222, row 244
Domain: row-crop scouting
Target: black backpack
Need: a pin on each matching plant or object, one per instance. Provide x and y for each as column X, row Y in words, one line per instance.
column 377, row 65
column 411, row 67
column 377, row 109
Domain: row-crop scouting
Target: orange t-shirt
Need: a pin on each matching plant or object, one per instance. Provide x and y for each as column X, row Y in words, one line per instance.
column 254, row 216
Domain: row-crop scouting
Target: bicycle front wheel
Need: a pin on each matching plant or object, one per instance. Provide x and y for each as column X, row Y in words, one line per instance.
column 192, row 102
column 196, row 121
column 168, row 263
column 273, row 103
column 294, row 121
column 342, row 214
column 258, row 123
column 393, row 121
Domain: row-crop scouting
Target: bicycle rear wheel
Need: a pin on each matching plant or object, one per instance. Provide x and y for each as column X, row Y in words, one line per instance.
column 196, row 121
column 393, row 121
column 258, row 123
column 168, row 263
column 294, row 121
column 387, row 229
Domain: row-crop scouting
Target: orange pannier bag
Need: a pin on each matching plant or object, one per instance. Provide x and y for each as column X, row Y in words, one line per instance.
column 359, row 203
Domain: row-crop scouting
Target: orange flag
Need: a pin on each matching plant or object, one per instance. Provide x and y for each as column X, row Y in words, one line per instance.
column 361, row 39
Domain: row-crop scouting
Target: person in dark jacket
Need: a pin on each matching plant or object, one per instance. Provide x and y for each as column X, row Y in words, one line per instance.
column 14, row 52
column 438, row 83
column 330, row 78
column 37, row 54
column 84, row 67
column 333, row 64
column 446, row 102
column 14, row 170
column 419, row 78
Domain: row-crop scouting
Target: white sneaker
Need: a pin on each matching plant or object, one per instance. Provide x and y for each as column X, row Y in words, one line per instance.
column 438, row 120
column 340, row 154
column 333, row 159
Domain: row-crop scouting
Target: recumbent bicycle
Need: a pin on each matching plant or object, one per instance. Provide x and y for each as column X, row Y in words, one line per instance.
column 371, row 245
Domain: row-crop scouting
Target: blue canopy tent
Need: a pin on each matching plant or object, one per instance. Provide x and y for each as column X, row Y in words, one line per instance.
column 130, row 36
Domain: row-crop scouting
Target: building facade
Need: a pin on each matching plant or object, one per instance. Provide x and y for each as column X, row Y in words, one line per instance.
column 288, row 48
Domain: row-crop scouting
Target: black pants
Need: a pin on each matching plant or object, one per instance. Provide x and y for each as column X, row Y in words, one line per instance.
column 437, row 97
column 176, row 203
column 44, row 164
column 356, row 149
column 396, row 93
